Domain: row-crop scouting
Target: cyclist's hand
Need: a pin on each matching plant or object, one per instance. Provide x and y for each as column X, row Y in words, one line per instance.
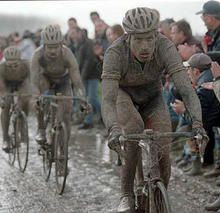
column 114, row 142
column 85, row 107
column 36, row 103
column 200, row 137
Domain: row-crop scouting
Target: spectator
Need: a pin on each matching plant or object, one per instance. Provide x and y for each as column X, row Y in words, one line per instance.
column 27, row 46
column 72, row 24
column 181, row 32
column 215, row 206
column 37, row 38
column 94, row 16
column 211, row 18
column 187, row 50
column 114, row 32
column 165, row 27
column 98, row 50
column 100, row 29
column 89, row 74
column 199, row 72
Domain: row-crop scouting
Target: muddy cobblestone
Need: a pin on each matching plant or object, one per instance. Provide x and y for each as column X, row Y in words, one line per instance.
column 92, row 184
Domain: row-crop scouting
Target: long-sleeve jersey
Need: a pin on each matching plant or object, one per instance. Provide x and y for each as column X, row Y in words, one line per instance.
column 122, row 70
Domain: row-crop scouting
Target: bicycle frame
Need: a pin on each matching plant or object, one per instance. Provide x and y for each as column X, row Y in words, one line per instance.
column 148, row 141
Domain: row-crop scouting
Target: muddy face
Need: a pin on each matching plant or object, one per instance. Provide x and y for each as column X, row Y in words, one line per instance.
column 52, row 50
column 142, row 45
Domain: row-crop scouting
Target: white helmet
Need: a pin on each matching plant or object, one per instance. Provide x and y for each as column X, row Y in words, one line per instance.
column 141, row 20
column 12, row 53
column 52, row 35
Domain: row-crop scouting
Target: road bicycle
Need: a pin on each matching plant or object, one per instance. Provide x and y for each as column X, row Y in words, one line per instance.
column 55, row 148
column 154, row 197
column 18, row 131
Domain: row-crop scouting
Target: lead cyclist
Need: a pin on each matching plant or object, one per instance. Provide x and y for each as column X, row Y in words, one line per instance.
column 131, row 93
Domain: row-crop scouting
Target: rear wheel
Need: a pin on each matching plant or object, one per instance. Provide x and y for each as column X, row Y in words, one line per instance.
column 12, row 147
column 22, row 140
column 61, row 157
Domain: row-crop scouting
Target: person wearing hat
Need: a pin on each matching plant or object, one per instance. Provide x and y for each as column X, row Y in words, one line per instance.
column 210, row 15
column 198, row 69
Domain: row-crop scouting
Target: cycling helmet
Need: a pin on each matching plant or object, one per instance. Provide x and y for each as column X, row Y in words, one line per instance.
column 52, row 35
column 12, row 53
column 141, row 20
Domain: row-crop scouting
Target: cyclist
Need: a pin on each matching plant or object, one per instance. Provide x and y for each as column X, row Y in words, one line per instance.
column 14, row 75
column 54, row 68
column 131, row 88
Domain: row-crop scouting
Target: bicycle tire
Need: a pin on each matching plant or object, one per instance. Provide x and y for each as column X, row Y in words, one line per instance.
column 161, row 198
column 48, row 152
column 61, row 157
column 22, row 140
column 47, row 164
column 12, row 146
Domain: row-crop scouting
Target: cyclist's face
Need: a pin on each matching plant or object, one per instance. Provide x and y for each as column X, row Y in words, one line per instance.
column 52, row 50
column 142, row 45
column 12, row 64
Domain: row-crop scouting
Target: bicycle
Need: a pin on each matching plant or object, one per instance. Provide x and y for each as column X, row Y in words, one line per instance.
column 154, row 197
column 18, row 132
column 55, row 148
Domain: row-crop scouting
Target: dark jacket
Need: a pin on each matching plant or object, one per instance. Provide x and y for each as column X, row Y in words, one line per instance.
column 214, row 45
column 87, row 60
column 209, row 103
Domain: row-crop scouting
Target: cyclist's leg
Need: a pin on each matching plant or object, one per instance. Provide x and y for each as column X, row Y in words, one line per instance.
column 44, row 85
column 131, row 122
column 5, row 122
column 158, row 119
column 24, row 100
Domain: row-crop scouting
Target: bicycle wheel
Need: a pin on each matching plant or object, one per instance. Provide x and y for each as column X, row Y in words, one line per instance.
column 47, row 163
column 61, row 157
column 48, row 152
column 161, row 199
column 22, row 140
column 12, row 147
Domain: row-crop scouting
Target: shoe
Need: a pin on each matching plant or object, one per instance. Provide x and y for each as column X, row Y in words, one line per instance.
column 85, row 126
column 5, row 146
column 41, row 136
column 215, row 206
column 196, row 168
column 126, row 205
column 187, row 168
column 184, row 162
column 213, row 173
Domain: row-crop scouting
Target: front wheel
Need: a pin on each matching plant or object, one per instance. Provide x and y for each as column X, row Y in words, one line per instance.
column 61, row 157
column 22, row 140
column 12, row 146
column 161, row 199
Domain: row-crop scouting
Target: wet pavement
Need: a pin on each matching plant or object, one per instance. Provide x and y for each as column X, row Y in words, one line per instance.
column 92, row 183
